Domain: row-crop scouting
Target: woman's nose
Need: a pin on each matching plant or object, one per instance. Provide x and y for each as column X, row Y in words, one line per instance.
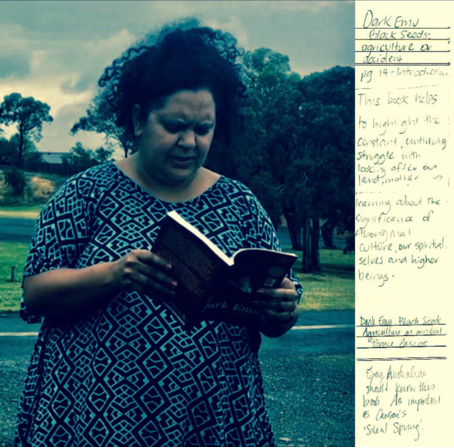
column 187, row 139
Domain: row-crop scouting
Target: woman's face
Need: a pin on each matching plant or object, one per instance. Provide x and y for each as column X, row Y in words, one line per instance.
column 175, row 138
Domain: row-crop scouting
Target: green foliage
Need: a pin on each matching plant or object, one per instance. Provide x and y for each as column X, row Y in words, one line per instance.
column 33, row 156
column 102, row 155
column 28, row 114
column 101, row 119
column 296, row 152
column 7, row 152
column 15, row 179
column 80, row 158
column 328, row 109
column 28, row 145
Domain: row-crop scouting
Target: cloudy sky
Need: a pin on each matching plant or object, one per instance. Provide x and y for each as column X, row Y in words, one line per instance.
column 56, row 51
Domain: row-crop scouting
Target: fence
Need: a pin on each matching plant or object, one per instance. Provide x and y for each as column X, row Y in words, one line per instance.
column 50, row 168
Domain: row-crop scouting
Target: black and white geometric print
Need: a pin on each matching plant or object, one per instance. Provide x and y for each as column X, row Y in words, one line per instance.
column 130, row 374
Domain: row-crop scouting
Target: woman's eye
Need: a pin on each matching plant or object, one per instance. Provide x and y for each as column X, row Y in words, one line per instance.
column 202, row 130
column 172, row 128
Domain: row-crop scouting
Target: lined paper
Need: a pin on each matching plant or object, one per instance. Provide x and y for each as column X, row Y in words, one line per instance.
column 403, row 214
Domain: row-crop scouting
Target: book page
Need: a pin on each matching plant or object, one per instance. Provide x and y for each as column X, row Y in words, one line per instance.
column 404, row 222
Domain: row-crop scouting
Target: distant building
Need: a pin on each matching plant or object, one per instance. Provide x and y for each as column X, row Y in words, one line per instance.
column 50, row 163
column 54, row 158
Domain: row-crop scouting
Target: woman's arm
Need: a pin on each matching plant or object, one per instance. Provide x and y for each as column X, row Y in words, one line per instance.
column 67, row 293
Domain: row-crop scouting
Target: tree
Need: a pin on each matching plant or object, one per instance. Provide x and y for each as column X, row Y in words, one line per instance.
column 101, row 119
column 102, row 155
column 80, row 158
column 280, row 162
column 267, row 156
column 9, row 150
column 16, row 180
column 297, row 152
column 328, row 109
column 28, row 114
column 29, row 148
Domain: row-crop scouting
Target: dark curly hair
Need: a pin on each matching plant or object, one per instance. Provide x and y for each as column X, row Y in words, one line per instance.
column 181, row 57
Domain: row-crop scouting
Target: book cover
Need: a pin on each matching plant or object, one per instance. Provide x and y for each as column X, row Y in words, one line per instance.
column 211, row 285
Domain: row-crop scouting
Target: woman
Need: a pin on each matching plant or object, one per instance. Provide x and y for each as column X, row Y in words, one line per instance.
column 113, row 365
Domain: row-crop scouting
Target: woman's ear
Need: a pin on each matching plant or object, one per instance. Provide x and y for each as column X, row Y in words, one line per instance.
column 136, row 119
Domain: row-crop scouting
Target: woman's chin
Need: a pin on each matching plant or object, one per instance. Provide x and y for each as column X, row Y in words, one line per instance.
column 180, row 176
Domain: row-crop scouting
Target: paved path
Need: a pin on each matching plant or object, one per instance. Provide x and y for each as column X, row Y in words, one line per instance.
column 16, row 229
column 308, row 378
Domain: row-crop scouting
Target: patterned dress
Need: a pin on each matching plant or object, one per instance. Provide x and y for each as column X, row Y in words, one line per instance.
column 130, row 374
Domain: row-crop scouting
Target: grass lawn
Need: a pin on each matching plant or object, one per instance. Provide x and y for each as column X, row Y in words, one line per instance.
column 20, row 211
column 334, row 288
column 328, row 291
column 12, row 254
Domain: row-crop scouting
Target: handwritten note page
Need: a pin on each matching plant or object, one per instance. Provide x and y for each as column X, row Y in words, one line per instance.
column 404, row 224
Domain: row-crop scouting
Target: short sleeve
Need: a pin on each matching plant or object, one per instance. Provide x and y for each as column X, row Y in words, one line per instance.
column 61, row 231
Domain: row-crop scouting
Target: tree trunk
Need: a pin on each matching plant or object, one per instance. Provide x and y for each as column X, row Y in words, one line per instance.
column 315, row 243
column 125, row 148
column 20, row 149
column 327, row 234
column 294, row 229
column 307, row 246
column 125, row 144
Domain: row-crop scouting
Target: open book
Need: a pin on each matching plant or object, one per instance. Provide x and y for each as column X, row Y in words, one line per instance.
column 211, row 285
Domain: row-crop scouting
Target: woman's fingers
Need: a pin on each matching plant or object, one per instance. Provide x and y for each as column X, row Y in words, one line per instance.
column 146, row 284
column 282, row 298
column 286, row 289
column 278, row 305
column 156, row 274
column 156, row 268
column 277, row 295
column 153, row 273
column 277, row 317
column 145, row 271
column 152, row 259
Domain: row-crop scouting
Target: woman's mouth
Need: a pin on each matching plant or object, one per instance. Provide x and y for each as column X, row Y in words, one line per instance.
column 181, row 161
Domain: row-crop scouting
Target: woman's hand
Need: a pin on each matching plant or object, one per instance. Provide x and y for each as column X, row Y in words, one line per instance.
column 66, row 293
column 144, row 271
column 280, row 311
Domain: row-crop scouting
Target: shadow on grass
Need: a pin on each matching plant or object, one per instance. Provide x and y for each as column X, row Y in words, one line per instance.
column 340, row 272
column 329, row 272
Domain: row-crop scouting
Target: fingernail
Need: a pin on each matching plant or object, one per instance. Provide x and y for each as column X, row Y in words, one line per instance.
column 174, row 283
column 169, row 266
